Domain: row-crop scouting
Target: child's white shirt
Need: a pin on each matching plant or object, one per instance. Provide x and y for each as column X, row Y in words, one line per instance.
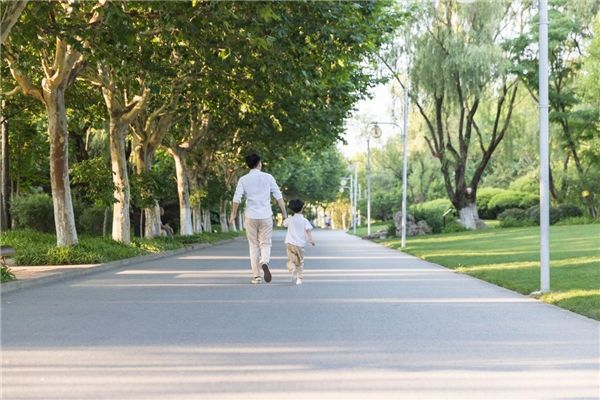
column 297, row 226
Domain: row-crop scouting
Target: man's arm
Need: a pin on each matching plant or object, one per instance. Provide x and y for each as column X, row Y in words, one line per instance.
column 234, row 210
column 282, row 207
column 278, row 196
column 237, row 199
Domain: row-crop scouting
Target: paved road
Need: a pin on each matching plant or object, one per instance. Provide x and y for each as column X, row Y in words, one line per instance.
column 368, row 323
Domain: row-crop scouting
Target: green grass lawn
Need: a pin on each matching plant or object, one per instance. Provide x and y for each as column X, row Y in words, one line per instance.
column 510, row 258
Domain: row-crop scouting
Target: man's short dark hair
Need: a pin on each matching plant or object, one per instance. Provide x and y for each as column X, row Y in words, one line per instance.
column 252, row 160
column 296, row 205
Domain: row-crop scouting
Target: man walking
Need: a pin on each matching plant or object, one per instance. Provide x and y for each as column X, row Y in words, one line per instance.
column 258, row 187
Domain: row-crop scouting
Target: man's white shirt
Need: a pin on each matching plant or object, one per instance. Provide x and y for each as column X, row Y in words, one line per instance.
column 257, row 186
column 297, row 227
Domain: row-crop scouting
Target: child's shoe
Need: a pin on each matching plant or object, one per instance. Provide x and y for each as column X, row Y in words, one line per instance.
column 299, row 281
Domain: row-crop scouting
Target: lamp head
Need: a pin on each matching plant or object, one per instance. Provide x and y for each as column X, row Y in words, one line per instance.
column 375, row 131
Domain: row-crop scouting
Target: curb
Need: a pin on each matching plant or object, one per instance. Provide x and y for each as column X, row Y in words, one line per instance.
column 66, row 275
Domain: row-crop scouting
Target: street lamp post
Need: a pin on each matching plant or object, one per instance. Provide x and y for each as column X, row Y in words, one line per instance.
column 544, row 152
column 375, row 133
column 404, row 134
column 343, row 185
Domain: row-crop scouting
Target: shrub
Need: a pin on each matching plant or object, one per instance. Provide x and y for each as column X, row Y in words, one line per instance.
column 484, row 195
column 432, row 212
column 6, row 275
column 525, row 184
column 534, row 215
column 569, row 211
column 34, row 212
column 391, row 230
column 514, row 217
column 578, row 221
column 453, row 227
column 529, row 200
column 91, row 220
column 510, row 199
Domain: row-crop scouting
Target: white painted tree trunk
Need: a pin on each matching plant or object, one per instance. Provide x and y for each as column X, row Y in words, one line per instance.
column 206, row 220
column 64, row 218
column 223, row 215
column 197, row 219
column 469, row 217
column 153, row 222
column 183, row 191
column 121, row 224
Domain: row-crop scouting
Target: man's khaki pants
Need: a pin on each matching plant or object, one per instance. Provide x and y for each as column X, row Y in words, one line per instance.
column 295, row 256
column 259, row 232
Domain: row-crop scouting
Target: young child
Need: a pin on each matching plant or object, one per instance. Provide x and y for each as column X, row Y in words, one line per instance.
column 298, row 230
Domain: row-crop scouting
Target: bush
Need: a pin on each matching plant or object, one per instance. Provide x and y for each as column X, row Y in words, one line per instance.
column 6, row 275
column 391, row 230
column 534, row 215
column 569, row 211
column 92, row 220
column 432, row 212
column 525, row 184
column 510, row 199
column 34, row 212
column 514, row 217
column 484, row 195
column 453, row 227
column 578, row 221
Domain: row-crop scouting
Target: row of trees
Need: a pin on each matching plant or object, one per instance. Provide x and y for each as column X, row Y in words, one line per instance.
column 204, row 82
column 473, row 74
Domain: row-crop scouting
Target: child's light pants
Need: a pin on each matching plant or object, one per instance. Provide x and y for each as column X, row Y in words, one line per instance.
column 259, row 232
column 295, row 256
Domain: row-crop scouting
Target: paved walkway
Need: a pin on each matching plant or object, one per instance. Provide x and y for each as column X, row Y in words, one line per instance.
column 368, row 323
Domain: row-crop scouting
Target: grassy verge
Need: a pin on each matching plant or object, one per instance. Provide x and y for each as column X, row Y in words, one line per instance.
column 362, row 230
column 35, row 248
column 510, row 258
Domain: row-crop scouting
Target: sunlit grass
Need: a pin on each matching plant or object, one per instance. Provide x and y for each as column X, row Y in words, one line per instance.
column 362, row 230
column 510, row 258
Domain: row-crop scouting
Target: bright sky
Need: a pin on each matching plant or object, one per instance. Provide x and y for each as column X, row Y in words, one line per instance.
column 379, row 108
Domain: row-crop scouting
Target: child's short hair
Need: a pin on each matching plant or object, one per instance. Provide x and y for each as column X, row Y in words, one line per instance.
column 296, row 205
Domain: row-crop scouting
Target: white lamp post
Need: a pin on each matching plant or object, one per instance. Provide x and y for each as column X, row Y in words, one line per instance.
column 344, row 185
column 404, row 135
column 375, row 133
column 544, row 152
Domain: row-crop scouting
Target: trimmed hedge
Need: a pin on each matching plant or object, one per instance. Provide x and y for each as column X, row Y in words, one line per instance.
column 484, row 195
column 511, row 199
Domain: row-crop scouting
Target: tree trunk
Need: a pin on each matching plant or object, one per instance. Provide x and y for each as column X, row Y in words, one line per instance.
column 223, row 215
column 64, row 218
column 183, row 191
column 121, row 223
column 196, row 209
column 469, row 217
column 4, row 177
column 105, row 222
column 153, row 221
column 206, row 220
column 68, row 62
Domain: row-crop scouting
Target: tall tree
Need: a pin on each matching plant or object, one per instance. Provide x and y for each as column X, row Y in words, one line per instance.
column 457, row 65
column 57, row 73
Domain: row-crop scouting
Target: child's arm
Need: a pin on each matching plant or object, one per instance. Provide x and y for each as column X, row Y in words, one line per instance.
column 310, row 238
